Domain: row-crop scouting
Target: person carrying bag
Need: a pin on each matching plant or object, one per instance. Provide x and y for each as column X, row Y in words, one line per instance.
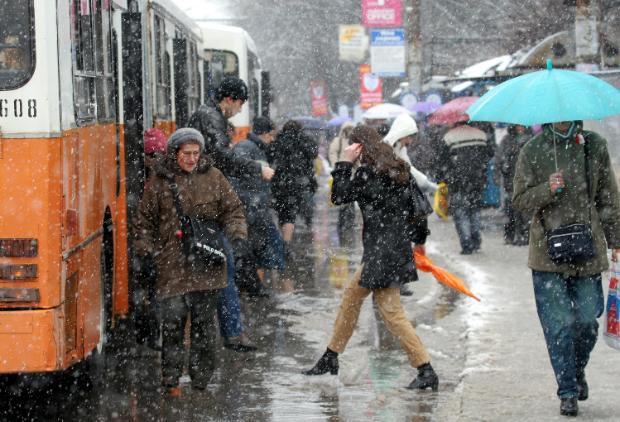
column 575, row 206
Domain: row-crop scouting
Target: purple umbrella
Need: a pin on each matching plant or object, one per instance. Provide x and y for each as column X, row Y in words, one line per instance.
column 425, row 107
column 338, row 120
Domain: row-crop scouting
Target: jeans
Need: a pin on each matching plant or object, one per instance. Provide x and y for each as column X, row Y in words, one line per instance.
column 467, row 223
column 228, row 308
column 200, row 305
column 568, row 308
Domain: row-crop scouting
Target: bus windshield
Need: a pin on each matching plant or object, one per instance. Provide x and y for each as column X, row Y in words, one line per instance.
column 221, row 64
column 16, row 43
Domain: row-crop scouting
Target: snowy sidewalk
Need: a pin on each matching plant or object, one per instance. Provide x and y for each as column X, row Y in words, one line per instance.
column 507, row 375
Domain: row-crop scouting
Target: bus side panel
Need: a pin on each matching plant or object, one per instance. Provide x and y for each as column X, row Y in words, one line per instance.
column 166, row 126
column 29, row 340
column 30, row 200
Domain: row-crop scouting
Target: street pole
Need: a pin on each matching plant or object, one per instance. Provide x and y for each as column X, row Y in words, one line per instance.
column 586, row 34
column 413, row 10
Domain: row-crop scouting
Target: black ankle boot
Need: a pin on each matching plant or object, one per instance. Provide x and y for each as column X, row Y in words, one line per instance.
column 427, row 378
column 569, row 406
column 582, row 386
column 327, row 363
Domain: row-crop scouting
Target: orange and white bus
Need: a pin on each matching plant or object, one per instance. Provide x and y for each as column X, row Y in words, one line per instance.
column 80, row 80
column 230, row 51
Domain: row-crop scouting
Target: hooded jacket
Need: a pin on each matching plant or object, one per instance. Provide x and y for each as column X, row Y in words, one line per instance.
column 212, row 124
column 404, row 125
column 338, row 145
column 532, row 196
column 203, row 193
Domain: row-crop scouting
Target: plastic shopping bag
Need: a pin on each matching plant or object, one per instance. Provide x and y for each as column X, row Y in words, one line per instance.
column 612, row 323
column 440, row 201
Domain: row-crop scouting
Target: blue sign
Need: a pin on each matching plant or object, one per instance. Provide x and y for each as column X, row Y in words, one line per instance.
column 387, row 37
column 387, row 52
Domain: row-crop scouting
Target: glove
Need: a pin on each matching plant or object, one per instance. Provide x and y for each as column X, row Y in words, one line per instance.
column 144, row 266
column 241, row 250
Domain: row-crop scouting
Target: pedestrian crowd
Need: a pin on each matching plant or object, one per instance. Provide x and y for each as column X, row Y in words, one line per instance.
column 218, row 218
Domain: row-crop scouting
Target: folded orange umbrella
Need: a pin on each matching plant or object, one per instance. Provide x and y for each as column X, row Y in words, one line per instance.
column 424, row 263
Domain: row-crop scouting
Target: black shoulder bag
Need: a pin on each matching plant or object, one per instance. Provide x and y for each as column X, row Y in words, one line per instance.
column 202, row 240
column 573, row 243
column 420, row 206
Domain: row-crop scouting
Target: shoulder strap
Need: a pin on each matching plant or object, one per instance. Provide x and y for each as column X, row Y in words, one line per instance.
column 175, row 195
column 586, row 159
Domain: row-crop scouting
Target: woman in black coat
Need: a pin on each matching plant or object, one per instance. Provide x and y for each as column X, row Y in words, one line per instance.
column 294, row 184
column 381, row 187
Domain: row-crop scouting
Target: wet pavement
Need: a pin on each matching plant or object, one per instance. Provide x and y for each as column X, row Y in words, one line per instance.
column 291, row 330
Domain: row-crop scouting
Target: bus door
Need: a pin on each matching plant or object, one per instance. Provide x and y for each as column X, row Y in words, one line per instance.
column 133, row 106
column 181, row 83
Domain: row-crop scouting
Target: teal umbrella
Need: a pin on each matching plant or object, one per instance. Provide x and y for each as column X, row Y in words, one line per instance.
column 547, row 96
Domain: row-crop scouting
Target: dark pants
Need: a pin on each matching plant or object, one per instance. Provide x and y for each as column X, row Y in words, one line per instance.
column 201, row 306
column 568, row 308
column 146, row 307
column 467, row 223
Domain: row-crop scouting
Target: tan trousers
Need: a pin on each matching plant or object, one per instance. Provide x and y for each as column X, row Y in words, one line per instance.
column 391, row 310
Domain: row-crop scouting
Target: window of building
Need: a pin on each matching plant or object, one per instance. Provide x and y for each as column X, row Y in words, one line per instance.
column 17, row 59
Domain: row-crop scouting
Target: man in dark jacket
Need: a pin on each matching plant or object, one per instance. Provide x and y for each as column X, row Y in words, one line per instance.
column 464, row 162
column 255, row 194
column 211, row 119
column 565, row 176
column 505, row 163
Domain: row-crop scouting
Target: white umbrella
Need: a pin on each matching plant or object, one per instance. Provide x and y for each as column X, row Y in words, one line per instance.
column 384, row 111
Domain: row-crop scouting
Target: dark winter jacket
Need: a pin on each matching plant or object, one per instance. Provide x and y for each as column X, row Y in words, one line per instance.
column 293, row 155
column 204, row 193
column 464, row 163
column 506, row 156
column 210, row 121
column 387, row 231
column 532, row 196
column 253, row 191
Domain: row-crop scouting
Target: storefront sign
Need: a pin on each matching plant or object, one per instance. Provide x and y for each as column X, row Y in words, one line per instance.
column 387, row 52
column 370, row 88
column 382, row 13
column 352, row 43
column 318, row 96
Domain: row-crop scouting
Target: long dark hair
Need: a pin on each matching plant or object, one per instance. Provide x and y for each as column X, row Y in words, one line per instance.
column 380, row 155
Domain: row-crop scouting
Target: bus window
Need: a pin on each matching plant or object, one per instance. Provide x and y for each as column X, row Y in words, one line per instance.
column 221, row 64
column 93, row 83
column 16, row 43
column 254, row 100
column 162, row 67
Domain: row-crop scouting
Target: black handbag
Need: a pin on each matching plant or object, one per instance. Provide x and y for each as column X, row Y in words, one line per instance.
column 202, row 238
column 420, row 206
column 573, row 243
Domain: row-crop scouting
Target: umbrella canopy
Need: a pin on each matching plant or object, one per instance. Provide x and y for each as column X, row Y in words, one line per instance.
column 424, row 263
column 384, row 111
column 338, row 120
column 425, row 107
column 310, row 122
column 547, row 96
column 452, row 112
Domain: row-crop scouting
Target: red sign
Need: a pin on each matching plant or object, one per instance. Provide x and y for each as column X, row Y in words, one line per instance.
column 318, row 96
column 370, row 88
column 382, row 13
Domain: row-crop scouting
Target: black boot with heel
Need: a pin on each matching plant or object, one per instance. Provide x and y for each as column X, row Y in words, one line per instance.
column 327, row 363
column 427, row 378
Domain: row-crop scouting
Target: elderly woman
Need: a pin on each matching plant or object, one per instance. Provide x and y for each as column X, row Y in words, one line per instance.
column 184, row 289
